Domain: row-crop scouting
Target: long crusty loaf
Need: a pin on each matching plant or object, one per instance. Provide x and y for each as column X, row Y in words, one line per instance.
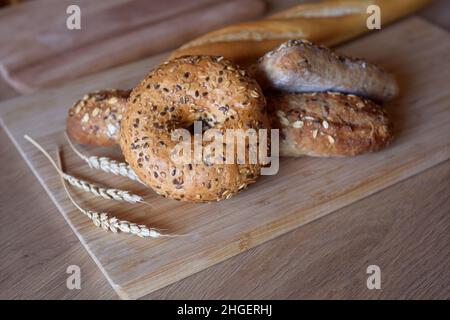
column 326, row 22
column 328, row 124
column 300, row 66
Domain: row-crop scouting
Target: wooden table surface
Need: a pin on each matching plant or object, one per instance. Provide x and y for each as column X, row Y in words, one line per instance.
column 404, row 229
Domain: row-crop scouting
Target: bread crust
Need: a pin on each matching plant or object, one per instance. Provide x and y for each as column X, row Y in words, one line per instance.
column 173, row 96
column 325, row 22
column 328, row 124
column 95, row 119
column 300, row 66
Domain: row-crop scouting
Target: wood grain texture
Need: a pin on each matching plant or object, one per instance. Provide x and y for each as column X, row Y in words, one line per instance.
column 49, row 46
column 37, row 246
column 403, row 229
column 437, row 13
column 39, row 273
column 44, row 52
column 307, row 188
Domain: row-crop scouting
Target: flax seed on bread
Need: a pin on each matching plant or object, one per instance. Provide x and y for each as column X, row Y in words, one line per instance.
column 328, row 124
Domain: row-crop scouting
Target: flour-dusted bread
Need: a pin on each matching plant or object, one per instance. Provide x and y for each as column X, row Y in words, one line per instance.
column 328, row 124
column 95, row 119
column 300, row 66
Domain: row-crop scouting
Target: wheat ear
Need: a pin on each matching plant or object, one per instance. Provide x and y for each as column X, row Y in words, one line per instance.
column 110, row 223
column 107, row 193
column 105, row 164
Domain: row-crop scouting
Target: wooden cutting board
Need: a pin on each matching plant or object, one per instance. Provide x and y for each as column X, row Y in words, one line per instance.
column 305, row 189
column 43, row 52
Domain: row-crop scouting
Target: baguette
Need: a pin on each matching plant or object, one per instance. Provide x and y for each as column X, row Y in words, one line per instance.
column 328, row 124
column 300, row 66
column 326, row 22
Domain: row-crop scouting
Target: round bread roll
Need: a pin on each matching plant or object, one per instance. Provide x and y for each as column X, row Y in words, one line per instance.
column 300, row 66
column 328, row 124
column 95, row 119
column 289, row 147
column 173, row 96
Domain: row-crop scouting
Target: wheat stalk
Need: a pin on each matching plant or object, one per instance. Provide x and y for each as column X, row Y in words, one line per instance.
column 110, row 223
column 105, row 164
column 107, row 193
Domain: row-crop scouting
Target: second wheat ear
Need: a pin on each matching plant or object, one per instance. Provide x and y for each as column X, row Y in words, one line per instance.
column 107, row 193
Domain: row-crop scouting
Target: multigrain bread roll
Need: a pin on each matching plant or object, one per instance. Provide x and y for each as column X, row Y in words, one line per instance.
column 328, row 124
column 175, row 95
column 95, row 119
column 300, row 66
column 326, row 22
column 295, row 66
column 309, row 124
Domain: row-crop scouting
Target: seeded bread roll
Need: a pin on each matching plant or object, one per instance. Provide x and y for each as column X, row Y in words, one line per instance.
column 175, row 95
column 328, row 124
column 300, row 66
column 95, row 119
column 293, row 142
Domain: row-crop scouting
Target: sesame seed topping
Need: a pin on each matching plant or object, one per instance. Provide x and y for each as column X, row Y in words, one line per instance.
column 112, row 100
column 331, row 139
column 254, row 94
column 314, row 133
column 284, row 121
column 297, row 124
column 95, row 112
